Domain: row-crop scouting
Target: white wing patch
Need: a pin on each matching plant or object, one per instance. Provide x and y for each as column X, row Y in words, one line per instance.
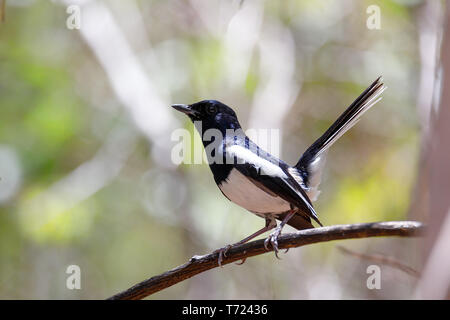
column 296, row 175
column 243, row 192
column 314, row 177
column 265, row 167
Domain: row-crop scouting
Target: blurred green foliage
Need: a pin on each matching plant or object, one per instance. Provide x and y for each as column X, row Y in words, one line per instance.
column 58, row 109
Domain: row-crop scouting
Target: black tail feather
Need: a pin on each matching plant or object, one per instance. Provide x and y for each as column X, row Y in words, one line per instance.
column 345, row 121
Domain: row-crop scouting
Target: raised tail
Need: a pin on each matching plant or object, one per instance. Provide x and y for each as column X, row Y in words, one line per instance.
column 310, row 163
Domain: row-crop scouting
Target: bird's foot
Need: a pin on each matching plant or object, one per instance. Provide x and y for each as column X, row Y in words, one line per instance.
column 273, row 240
column 222, row 253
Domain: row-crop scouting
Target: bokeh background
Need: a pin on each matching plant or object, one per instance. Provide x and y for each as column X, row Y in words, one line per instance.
column 86, row 140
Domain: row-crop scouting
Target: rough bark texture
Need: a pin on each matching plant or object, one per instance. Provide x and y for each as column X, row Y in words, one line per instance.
column 198, row 264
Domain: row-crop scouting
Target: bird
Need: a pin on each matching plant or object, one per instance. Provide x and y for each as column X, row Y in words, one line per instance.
column 260, row 182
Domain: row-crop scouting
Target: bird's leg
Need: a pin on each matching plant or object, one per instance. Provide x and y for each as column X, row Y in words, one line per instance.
column 273, row 237
column 270, row 224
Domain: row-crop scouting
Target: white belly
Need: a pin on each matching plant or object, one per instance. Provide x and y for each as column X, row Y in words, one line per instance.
column 244, row 193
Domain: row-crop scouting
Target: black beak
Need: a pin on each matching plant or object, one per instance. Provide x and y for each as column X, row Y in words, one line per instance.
column 186, row 109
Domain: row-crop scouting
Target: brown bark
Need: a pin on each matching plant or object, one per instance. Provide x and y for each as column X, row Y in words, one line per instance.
column 199, row 264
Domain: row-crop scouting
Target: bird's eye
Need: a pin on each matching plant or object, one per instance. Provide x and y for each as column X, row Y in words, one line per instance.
column 211, row 109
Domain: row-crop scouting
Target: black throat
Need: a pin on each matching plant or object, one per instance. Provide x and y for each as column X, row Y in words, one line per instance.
column 214, row 132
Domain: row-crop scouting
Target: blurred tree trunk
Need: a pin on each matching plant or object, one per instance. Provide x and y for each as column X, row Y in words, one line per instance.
column 2, row 10
column 432, row 198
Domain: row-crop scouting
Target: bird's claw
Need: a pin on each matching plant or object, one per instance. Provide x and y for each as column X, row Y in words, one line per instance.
column 273, row 240
column 222, row 253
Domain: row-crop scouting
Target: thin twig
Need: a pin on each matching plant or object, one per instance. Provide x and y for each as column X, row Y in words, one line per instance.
column 382, row 259
column 199, row 264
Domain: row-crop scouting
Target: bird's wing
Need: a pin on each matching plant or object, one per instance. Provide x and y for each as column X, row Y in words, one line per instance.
column 271, row 177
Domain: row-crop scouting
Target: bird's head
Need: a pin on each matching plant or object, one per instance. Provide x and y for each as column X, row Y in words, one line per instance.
column 211, row 113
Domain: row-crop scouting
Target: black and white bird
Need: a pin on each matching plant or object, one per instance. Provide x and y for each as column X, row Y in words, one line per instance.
column 260, row 182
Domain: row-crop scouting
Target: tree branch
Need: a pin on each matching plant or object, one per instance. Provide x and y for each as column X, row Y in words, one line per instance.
column 382, row 259
column 199, row 264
